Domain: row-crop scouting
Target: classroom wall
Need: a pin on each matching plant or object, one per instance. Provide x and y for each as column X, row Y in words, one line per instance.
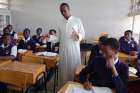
column 97, row 15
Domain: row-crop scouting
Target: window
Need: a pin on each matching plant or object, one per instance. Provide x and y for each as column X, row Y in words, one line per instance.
column 4, row 4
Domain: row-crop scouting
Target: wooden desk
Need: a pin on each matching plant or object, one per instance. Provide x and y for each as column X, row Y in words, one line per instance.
column 4, row 62
column 48, row 61
column 64, row 88
column 32, row 70
column 127, row 58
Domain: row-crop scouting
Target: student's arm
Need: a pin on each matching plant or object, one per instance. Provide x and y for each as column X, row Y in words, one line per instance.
column 119, row 79
column 136, row 47
column 86, row 71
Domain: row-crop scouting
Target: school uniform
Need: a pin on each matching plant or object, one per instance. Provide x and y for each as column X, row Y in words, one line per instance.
column 14, row 35
column 53, row 42
column 9, row 50
column 127, row 46
column 26, row 44
column 99, row 74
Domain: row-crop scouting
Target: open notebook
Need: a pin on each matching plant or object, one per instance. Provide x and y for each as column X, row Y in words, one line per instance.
column 78, row 89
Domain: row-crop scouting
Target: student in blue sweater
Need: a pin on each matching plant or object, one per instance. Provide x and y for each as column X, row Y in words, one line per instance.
column 127, row 43
column 106, row 70
column 26, row 42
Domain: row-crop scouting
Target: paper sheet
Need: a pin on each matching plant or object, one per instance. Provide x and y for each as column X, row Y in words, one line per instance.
column 22, row 50
column 77, row 89
column 45, row 54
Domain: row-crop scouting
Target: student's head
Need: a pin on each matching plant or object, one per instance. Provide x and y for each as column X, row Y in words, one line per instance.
column 102, row 39
column 6, row 39
column 39, row 31
column 128, row 34
column 52, row 32
column 6, row 31
column 111, row 47
column 10, row 27
column 65, row 10
column 26, row 33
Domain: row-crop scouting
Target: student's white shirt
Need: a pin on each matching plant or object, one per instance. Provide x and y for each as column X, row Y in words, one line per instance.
column 15, row 35
column 26, row 40
column 13, row 50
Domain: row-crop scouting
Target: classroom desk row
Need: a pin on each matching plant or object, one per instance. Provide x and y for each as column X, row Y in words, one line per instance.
column 28, row 56
column 31, row 65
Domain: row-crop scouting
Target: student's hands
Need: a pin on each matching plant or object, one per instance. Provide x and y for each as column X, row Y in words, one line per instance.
column 133, row 53
column 111, row 65
column 87, row 85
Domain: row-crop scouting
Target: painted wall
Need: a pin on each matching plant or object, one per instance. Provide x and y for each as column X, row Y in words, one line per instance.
column 97, row 15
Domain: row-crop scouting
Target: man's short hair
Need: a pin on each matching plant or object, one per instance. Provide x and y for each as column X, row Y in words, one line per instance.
column 129, row 31
column 65, row 4
column 113, row 43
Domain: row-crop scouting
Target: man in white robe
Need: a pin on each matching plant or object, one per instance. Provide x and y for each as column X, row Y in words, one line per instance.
column 71, row 32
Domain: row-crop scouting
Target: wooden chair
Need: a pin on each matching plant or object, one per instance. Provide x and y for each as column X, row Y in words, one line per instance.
column 17, row 80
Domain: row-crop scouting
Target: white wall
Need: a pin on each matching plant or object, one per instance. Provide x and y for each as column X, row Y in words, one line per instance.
column 97, row 15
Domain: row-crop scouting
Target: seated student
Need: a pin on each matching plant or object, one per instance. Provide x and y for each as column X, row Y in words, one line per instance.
column 6, row 31
column 53, row 42
column 106, row 70
column 8, row 50
column 97, row 49
column 26, row 42
column 39, row 38
column 127, row 43
column 12, row 32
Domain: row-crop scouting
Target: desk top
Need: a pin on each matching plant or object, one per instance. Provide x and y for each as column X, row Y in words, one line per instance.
column 50, row 61
column 124, row 57
column 32, row 70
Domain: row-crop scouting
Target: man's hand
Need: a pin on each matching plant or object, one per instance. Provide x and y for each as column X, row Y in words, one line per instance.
column 87, row 85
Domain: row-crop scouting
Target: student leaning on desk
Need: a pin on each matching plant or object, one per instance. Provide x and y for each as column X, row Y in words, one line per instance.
column 106, row 70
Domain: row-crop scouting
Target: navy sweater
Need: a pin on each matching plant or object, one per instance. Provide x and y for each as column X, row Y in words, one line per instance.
column 127, row 47
column 100, row 75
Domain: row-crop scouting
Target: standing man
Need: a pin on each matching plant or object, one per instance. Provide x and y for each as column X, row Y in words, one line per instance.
column 71, row 32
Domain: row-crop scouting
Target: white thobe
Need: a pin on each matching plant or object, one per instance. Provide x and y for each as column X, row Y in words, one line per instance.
column 70, row 47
